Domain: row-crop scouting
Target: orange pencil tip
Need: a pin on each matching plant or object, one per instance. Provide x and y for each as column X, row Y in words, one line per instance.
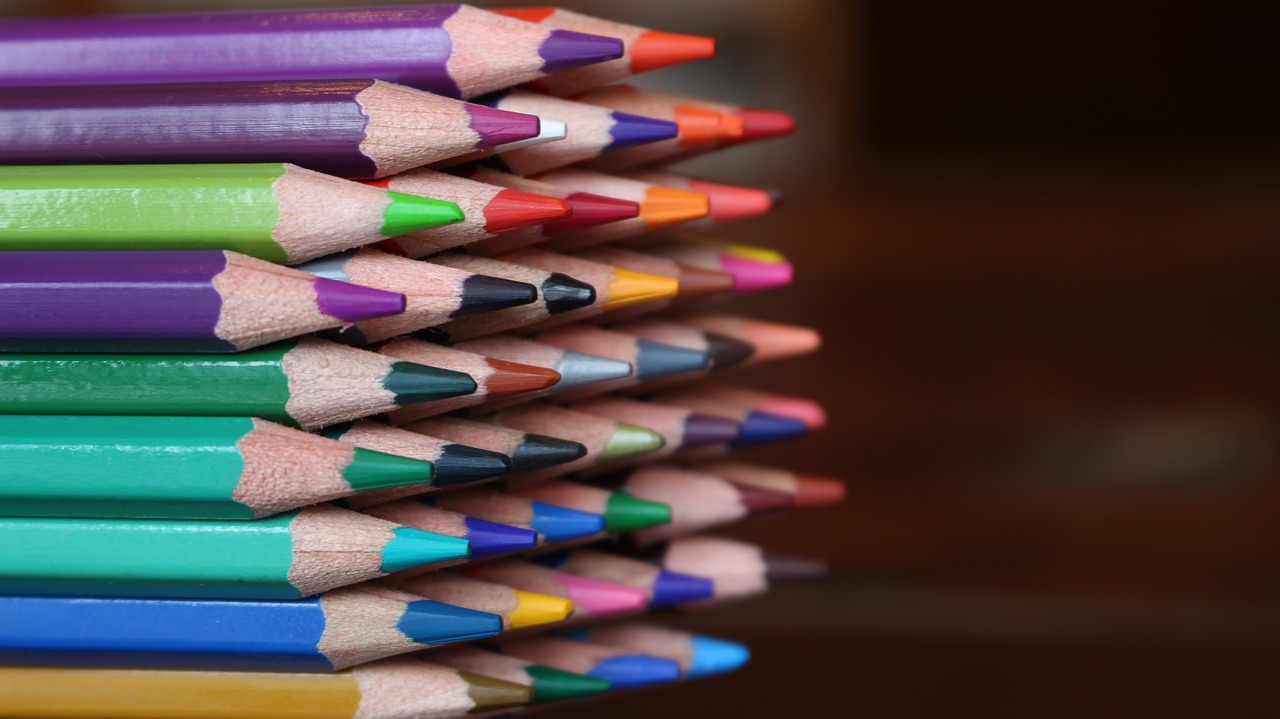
column 699, row 126
column 528, row 14
column 655, row 49
column 664, row 206
column 635, row 287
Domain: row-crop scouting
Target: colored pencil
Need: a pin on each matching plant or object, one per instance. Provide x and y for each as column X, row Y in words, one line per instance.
column 621, row 668
column 694, row 282
column 169, row 301
column 552, row 522
column 753, row 268
column 590, row 597
column 556, row 292
column 699, row 656
column 446, row 49
column 335, row 630
column 800, row 490
column 548, row 131
column 621, row 512
column 548, row 685
column 350, row 128
column 487, row 539
column 593, row 131
column 757, row 124
column 494, row 377
column 803, row 409
column 588, row 210
column 517, row 609
column 490, row 210
column 433, row 293
column 454, row 464
column 660, row 207
column 737, row 569
column 725, row 352
column 651, row 360
column 392, row 688
column 181, row 467
column 664, row 587
column 605, row 441
column 306, row 382
column 577, row 369
column 698, row 499
column 645, row 49
column 287, row 556
column 772, row 340
column 698, row 126
column 527, row 451
column 680, row 428
column 729, row 203
column 273, row 211
column 754, row 427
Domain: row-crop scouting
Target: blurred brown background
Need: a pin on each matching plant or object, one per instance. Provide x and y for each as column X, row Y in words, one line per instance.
column 1041, row 240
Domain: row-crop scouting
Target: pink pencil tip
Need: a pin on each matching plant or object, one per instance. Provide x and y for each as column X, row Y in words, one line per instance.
column 754, row 276
column 731, row 202
column 498, row 127
column 355, row 303
column 805, row 410
column 599, row 598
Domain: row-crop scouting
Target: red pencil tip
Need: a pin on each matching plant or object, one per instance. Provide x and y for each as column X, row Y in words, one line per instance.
column 731, row 202
column 818, row 491
column 761, row 124
column 512, row 209
column 513, row 378
column 654, row 49
column 590, row 210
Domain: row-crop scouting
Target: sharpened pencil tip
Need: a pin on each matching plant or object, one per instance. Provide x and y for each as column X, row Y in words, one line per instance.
column 818, row 491
column 783, row 569
column 482, row 293
column 513, row 210
column 578, row 369
column 655, row 49
column 733, row 202
column 490, row 538
column 624, row 513
column 498, row 127
column 460, row 464
column 664, row 206
column 434, row 623
column 801, row 408
column 590, row 210
column 355, row 303
column 533, row 609
column 631, row 288
column 674, row 588
column 701, row 430
column 654, row 359
column 562, row 293
column 755, row 276
column 760, row 124
column 700, row 127
column 700, row 281
column 558, row 524
column 726, row 351
column 412, row 383
column 630, row 130
column 411, row 548
column 491, row 694
column 629, row 440
column 760, row 427
column 636, row 670
column 515, row 378
column 756, row 252
column 553, row 685
column 539, row 451
column 758, row 500
column 599, row 598
column 377, row 470
column 411, row 213
column 716, row 656
column 565, row 49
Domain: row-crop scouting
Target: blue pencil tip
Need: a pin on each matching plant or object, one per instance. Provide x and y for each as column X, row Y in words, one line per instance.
column 629, row 130
column 760, row 427
column 558, row 524
column 636, row 670
column 490, row 538
column 716, row 656
column 655, row 359
column 673, row 588
column 433, row 623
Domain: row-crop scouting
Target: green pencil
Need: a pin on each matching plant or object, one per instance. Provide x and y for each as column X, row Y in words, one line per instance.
column 291, row 555
column 181, row 467
column 308, row 383
column 274, row 211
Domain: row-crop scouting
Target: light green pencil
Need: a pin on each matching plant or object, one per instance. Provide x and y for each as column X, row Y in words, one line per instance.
column 277, row 212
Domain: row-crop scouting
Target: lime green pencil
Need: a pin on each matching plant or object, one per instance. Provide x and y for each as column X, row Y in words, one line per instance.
column 277, row 212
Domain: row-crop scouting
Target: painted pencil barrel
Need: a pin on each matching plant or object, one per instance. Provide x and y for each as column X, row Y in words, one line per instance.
column 180, row 467
column 274, row 211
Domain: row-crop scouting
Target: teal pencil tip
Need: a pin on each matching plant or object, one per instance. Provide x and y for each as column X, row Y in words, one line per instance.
column 413, row 383
column 411, row 548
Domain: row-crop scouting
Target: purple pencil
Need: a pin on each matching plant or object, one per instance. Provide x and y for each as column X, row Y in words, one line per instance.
column 354, row 128
column 169, row 301
column 452, row 50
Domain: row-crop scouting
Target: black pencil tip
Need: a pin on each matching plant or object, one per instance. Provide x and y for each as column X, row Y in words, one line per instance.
column 482, row 293
column 562, row 293
column 539, row 451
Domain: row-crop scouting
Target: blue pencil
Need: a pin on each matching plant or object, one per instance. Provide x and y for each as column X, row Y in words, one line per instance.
column 335, row 630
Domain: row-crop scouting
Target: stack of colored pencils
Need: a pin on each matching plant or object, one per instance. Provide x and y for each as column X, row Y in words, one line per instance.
column 280, row 290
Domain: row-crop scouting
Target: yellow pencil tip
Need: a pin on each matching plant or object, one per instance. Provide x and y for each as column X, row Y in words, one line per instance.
column 634, row 287
column 534, row 609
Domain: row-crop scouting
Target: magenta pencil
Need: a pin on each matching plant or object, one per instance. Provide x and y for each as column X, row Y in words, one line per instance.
column 445, row 49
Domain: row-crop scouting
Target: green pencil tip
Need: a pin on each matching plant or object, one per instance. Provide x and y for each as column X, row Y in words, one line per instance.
column 411, row 213
column 376, row 470
column 624, row 513
column 553, row 685
column 411, row 548
column 629, row 440
column 412, row 383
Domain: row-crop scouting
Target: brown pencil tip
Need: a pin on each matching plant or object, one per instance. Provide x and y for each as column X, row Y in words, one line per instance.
column 514, row 378
column 818, row 491
column 700, row 282
column 783, row 569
